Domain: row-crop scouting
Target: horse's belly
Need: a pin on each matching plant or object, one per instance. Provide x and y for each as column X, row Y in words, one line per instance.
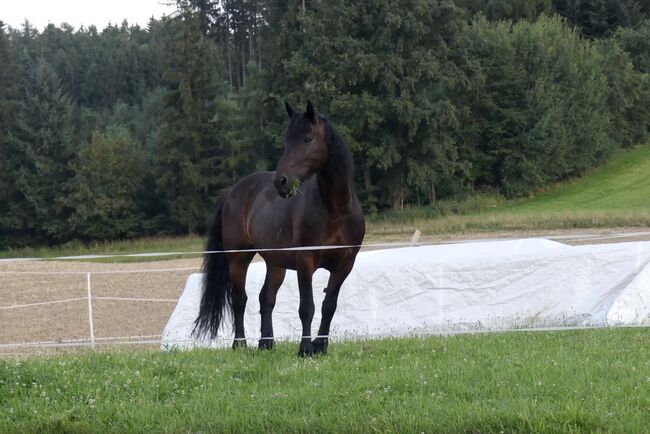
column 280, row 259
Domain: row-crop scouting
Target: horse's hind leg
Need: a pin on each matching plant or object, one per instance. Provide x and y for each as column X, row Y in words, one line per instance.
column 272, row 282
column 238, row 266
column 329, row 306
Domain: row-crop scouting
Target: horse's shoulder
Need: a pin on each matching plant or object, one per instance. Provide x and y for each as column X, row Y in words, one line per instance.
column 256, row 176
column 253, row 180
column 249, row 184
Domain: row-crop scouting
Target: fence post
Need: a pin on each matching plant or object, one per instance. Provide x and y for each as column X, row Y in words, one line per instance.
column 90, row 311
column 415, row 237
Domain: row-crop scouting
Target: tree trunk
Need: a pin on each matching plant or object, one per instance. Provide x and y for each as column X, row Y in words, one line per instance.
column 251, row 46
column 259, row 49
column 398, row 196
column 229, row 59
column 367, row 182
column 243, row 62
column 232, row 159
column 371, row 200
column 432, row 194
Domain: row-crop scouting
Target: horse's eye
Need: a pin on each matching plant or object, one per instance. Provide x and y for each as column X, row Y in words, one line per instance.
column 307, row 139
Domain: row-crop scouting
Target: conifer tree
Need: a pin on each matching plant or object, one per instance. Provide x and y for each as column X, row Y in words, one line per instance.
column 189, row 149
column 9, row 104
column 44, row 143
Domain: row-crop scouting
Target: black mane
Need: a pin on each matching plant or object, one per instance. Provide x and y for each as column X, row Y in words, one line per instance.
column 340, row 158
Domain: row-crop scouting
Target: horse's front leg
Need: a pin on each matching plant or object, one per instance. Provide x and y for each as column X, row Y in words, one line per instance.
column 337, row 277
column 306, row 309
column 272, row 282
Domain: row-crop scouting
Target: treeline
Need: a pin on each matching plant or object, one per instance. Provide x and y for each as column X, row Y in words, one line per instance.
column 130, row 131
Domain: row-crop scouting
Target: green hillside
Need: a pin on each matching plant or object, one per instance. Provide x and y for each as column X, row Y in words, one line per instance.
column 621, row 185
column 614, row 195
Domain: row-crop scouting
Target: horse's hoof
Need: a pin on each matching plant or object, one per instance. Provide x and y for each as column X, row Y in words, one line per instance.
column 265, row 344
column 306, row 349
column 239, row 344
column 320, row 345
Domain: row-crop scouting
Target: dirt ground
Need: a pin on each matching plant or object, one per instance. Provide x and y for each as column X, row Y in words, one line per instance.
column 145, row 319
column 69, row 320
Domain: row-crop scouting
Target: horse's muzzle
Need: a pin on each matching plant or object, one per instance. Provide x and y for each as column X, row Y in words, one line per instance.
column 282, row 185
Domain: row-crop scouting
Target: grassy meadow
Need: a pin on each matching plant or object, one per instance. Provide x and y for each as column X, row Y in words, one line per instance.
column 569, row 381
column 621, row 185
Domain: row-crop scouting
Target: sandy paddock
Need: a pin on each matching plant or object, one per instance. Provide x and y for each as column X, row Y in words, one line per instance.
column 121, row 318
column 70, row 320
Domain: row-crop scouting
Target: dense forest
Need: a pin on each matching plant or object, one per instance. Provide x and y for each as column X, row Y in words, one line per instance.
column 128, row 131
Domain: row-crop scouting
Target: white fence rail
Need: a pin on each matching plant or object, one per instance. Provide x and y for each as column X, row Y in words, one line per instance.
column 92, row 341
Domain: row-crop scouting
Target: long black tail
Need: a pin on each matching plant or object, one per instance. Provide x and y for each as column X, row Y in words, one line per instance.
column 217, row 288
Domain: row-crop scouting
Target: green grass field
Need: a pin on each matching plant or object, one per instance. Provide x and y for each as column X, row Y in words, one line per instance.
column 571, row 381
column 621, row 185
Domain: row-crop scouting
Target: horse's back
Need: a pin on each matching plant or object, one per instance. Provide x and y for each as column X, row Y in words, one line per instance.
column 238, row 206
column 256, row 179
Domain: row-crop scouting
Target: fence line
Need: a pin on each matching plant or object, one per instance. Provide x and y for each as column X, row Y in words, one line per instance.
column 412, row 243
column 137, row 299
column 146, row 270
column 92, row 341
column 77, row 342
column 19, row 306
column 42, row 303
column 151, row 339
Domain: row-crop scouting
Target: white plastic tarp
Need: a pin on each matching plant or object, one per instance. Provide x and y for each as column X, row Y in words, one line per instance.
column 459, row 287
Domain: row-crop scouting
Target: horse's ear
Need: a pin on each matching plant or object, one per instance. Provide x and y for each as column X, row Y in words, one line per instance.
column 290, row 110
column 311, row 113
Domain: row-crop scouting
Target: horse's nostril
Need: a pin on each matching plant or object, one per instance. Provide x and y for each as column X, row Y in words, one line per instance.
column 283, row 180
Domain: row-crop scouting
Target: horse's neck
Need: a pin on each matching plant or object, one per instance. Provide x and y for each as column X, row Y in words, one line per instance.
column 337, row 191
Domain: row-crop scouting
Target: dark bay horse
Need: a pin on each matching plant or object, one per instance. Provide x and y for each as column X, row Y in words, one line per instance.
column 310, row 200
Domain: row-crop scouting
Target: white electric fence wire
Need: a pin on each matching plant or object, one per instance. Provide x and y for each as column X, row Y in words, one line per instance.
column 165, row 300
column 157, row 270
column 151, row 339
column 42, row 303
column 84, row 341
column 412, row 243
column 19, row 306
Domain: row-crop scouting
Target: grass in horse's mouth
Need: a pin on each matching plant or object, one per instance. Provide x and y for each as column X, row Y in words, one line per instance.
column 295, row 187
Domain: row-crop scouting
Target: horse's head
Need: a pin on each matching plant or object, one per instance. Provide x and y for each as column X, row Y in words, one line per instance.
column 305, row 150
